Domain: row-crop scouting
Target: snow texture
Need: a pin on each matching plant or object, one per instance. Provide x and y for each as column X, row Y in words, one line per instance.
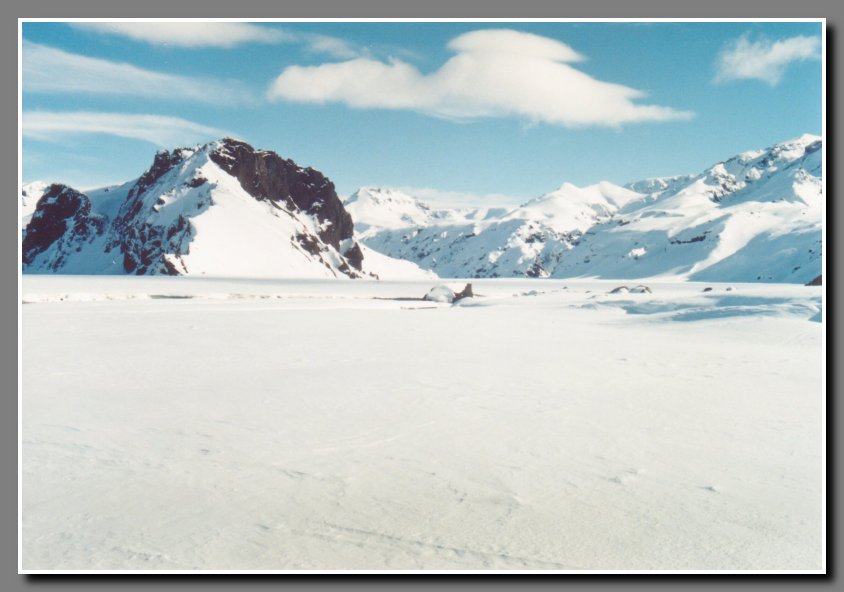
column 190, row 423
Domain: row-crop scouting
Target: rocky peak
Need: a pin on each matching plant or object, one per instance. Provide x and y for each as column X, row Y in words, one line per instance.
column 266, row 176
column 163, row 162
column 62, row 202
column 150, row 228
column 60, row 209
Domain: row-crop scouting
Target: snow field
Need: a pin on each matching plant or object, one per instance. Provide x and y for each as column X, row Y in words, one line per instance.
column 217, row 424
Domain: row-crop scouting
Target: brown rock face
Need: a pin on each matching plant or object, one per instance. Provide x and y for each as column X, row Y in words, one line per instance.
column 265, row 175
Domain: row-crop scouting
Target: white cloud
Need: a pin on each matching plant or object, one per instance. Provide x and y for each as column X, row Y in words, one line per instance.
column 764, row 59
column 50, row 70
column 190, row 34
column 495, row 73
column 221, row 34
column 163, row 131
column 333, row 46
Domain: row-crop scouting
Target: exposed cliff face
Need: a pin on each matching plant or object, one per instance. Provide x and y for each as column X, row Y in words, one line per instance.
column 222, row 208
column 266, row 176
column 62, row 217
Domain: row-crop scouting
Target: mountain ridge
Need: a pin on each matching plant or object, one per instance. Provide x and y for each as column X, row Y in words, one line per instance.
column 226, row 208
column 743, row 218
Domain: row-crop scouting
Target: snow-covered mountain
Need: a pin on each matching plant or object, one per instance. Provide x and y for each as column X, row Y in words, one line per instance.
column 380, row 209
column 30, row 194
column 754, row 217
column 493, row 242
column 223, row 208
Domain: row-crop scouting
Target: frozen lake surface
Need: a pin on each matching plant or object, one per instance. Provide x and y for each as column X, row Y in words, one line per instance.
column 181, row 424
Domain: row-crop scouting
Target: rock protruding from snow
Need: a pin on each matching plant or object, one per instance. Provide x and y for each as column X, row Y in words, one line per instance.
column 466, row 292
column 640, row 290
column 62, row 220
column 265, row 175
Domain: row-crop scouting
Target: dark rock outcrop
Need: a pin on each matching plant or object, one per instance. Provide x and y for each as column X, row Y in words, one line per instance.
column 144, row 245
column 266, row 176
column 63, row 214
column 818, row 281
column 163, row 162
column 536, row 270
column 464, row 293
column 354, row 256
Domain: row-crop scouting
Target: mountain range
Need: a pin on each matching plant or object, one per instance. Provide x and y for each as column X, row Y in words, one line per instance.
column 754, row 217
column 227, row 209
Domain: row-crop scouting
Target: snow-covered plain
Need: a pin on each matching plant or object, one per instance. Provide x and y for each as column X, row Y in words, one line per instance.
column 197, row 423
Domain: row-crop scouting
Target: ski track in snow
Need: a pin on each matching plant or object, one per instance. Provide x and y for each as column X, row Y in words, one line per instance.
column 200, row 423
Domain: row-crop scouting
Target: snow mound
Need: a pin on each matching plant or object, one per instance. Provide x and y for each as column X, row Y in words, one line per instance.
column 440, row 293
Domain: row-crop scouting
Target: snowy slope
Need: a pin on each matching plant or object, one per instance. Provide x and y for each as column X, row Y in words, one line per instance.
column 486, row 242
column 754, row 217
column 383, row 267
column 576, row 208
column 386, row 208
column 218, row 209
column 378, row 209
column 30, row 194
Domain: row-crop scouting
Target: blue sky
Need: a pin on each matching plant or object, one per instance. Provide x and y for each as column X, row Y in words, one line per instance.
column 480, row 113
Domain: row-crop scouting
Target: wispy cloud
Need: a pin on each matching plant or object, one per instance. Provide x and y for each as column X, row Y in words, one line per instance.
column 50, row 70
column 764, row 59
column 163, row 131
column 332, row 46
column 222, row 35
column 190, row 34
column 495, row 73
